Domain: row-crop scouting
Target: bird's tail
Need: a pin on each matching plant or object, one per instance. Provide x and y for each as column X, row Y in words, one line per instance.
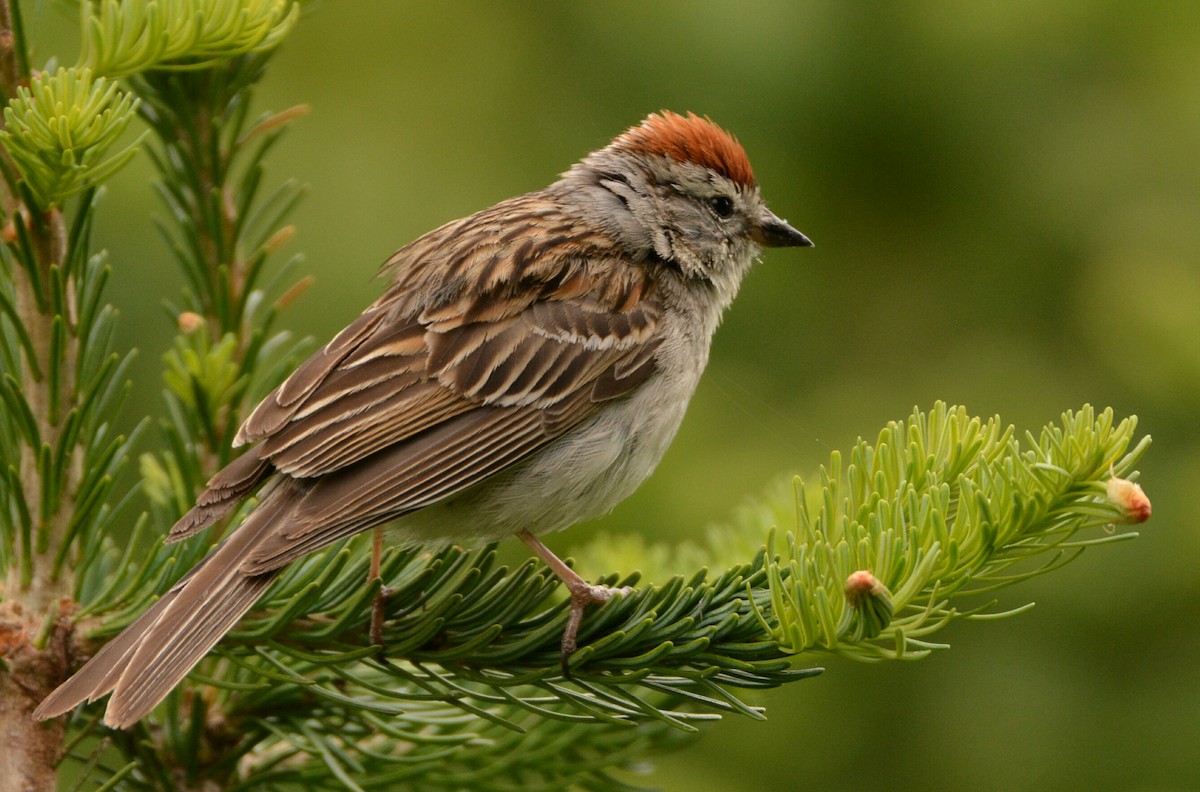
column 146, row 661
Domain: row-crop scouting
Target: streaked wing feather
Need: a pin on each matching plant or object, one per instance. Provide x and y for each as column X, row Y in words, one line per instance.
column 422, row 398
column 396, row 378
column 342, row 444
column 281, row 404
column 225, row 491
column 403, row 478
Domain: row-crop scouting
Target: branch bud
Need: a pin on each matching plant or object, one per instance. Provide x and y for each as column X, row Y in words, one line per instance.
column 867, row 595
column 189, row 322
column 1128, row 498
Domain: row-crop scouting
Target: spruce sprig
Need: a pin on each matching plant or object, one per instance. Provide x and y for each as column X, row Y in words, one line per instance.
column 122, row 37
column 941, row 507
column 60, row 129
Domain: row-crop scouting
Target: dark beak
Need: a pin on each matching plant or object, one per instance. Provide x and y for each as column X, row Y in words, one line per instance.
column 773, row 232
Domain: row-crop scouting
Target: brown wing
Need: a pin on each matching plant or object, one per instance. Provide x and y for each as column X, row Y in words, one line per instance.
column 416, row 401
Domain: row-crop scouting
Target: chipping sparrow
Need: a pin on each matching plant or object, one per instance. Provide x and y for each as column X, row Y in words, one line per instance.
column 526, row 370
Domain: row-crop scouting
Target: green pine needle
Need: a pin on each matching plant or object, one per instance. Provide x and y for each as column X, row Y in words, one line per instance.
column 60, row 129
column 122, row 37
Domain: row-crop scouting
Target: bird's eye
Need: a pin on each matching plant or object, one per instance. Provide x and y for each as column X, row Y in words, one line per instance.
column 722, row 205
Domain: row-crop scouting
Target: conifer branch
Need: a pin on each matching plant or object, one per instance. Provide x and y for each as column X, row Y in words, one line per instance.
column 471, row 651
column 917, row 530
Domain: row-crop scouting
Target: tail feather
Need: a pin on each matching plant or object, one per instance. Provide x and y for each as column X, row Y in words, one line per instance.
column 146, row 661
column 225, row 490
column 169, row 651
column 101, row 673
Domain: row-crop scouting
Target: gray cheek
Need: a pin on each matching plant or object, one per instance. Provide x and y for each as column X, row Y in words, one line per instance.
column 621, row 214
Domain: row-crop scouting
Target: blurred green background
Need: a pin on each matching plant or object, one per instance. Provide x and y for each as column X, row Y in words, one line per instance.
column 1005, row 198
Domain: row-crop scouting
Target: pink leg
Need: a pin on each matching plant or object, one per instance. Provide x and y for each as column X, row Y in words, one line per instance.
column 378, row 605
column 582, row 592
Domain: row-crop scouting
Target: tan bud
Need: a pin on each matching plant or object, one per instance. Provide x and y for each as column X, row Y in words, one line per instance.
column 190, row 321
column 860, row 586
column 872, row 606
column 1129, row 499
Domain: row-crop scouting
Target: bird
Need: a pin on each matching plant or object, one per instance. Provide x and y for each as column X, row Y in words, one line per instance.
column 525, row 369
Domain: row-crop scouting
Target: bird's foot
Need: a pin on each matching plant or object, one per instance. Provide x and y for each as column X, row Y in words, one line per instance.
column 583, row 595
